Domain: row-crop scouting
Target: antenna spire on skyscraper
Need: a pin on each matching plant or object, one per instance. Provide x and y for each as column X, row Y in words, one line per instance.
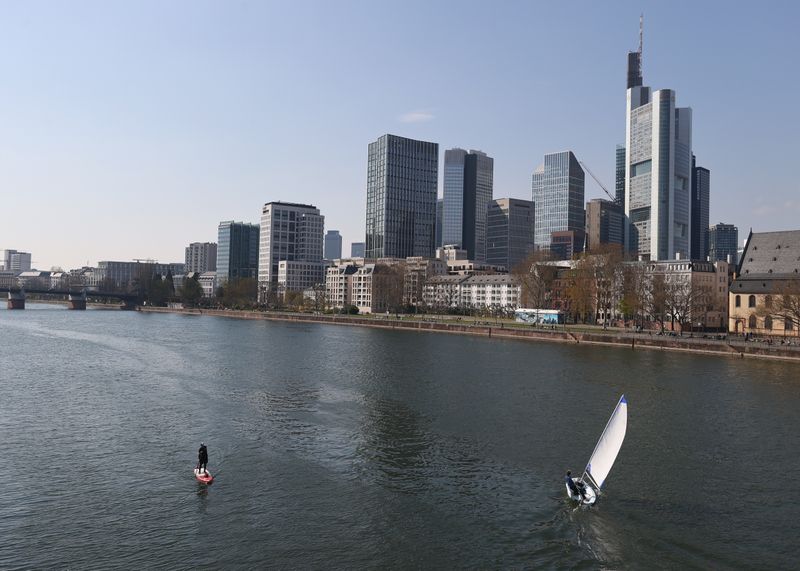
column 635, row 59
column 641, row 37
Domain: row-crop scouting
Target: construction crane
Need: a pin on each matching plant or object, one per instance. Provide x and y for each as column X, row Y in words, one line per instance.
column 597, row 180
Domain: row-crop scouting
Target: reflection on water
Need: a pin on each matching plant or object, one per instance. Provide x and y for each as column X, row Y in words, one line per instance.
column 339, row 447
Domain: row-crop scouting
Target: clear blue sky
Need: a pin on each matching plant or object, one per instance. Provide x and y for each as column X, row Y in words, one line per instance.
column 129, row 129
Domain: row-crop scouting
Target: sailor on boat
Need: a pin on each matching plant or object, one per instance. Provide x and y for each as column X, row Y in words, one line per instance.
column 577, row 487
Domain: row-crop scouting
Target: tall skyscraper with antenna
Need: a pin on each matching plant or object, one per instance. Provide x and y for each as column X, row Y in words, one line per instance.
column 658, row 168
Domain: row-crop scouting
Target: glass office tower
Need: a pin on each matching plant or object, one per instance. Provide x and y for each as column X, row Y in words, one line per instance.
column 723, row 241
column 439, row 222
column 509, row 234
column 558, row 191
column 658, row 169
column 701, row 197
column 237, row 251
column 468, row 188
column 619, row 187
column 402, row 179
column 333, row 245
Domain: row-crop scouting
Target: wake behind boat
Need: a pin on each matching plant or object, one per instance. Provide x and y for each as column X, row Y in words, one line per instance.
column 586, row 488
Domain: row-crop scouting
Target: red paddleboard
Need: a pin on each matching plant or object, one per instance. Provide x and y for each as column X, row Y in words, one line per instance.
column 203, row 476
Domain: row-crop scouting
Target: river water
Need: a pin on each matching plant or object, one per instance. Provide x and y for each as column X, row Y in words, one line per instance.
column 340, row 447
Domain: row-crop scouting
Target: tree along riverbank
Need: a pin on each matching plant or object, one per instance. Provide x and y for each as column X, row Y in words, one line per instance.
column 647, row 340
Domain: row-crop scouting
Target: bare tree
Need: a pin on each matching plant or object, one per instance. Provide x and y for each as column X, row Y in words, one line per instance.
column 679, row 301
column 388, row 287
column 783, row 304
column 607, row 267
column 241, row 293
column 294, row 299
column 536, row 279
column 658, row 298
column 320, row 297
column 636, row 289
column 787, row 304
column 580, row 289
column 702, row 303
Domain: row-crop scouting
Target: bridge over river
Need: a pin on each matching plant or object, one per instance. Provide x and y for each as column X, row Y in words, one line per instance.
column 75, row 296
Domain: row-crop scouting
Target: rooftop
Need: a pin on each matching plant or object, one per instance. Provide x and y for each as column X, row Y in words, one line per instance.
column 770, row 255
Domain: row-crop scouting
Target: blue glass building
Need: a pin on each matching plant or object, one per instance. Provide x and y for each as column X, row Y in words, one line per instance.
column 558, row 191
column 237, row 251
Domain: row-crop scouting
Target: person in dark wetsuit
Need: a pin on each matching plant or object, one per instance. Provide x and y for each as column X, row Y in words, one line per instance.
column 576, row 488
column 202, row 457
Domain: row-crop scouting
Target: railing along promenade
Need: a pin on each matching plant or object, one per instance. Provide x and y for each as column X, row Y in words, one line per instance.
column 574, row 334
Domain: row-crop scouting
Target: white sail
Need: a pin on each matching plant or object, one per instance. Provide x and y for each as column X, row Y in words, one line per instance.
column 605, row 453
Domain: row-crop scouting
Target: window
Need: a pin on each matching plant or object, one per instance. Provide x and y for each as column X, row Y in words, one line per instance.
column 738, row 301
column 767, row 301
column 768, row 322
column 788, row 324
column 751, row 323
column 751, row 301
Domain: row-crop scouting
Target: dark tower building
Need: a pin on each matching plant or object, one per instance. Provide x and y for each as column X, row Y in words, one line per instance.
column 237, row 250
column 603, row 224
column 439, row 222
column 701, row 193
column 468, row 183
column 402, row 180
column 509, row 235
column 723, row 241
column 620, row 178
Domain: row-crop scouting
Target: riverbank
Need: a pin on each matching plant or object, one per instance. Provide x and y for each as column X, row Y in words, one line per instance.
column 725, row 348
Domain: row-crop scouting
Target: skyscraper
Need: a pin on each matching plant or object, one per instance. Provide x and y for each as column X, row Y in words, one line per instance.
column 402, row 179
column 468, row 184
column 290, row 233
column 14, row 261
column 658, row 164
column 201, row 257
column 439, row 222
column 237, row 251
column 723, row 242
column 333, row 245
column 357, row 250
column 558, row 191
column 701, row 194
column 619, row 197
column 509, row 233
column 603, row 224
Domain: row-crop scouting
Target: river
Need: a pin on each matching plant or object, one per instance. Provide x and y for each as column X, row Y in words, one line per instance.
column 338, row 447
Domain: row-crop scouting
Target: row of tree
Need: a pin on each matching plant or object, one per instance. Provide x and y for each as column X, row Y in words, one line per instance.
column 603, row 287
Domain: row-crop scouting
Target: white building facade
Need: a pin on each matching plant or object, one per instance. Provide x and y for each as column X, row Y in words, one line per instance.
column 298, row 276
column 293, row 233
column 14, row 261
column 498, row 291
column 481, row 292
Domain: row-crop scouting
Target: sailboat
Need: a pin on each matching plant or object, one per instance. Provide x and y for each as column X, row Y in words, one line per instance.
column 603, row 457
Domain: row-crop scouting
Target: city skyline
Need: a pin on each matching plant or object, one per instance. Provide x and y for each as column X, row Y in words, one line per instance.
column 201, row 113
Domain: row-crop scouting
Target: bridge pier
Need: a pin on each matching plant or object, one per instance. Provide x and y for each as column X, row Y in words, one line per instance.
column 16, row 300
column 77, row 301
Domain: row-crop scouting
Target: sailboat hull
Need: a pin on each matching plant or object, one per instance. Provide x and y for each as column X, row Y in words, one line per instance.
column 590, row 495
